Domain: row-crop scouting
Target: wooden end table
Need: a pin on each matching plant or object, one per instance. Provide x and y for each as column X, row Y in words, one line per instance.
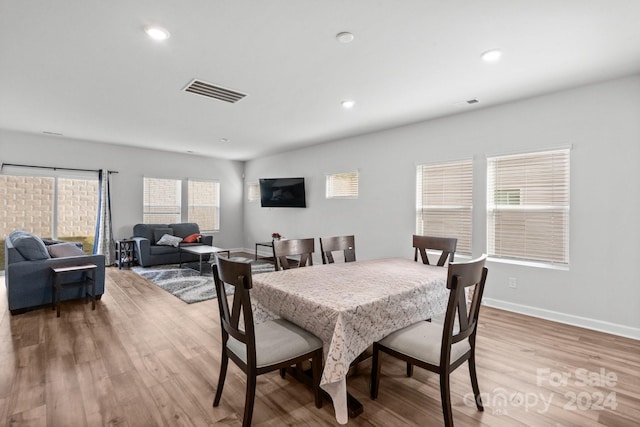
column 88, row 278
column 265, row 244
column 125, row 253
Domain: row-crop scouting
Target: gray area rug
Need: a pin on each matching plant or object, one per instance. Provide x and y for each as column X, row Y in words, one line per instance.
column 186, row 283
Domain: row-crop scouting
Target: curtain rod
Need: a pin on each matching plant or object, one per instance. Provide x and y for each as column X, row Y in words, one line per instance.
column 52, row 167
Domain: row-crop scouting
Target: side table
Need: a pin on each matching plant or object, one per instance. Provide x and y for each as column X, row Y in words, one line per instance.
column 87, row 278
column 125, row 253
column 265, row 244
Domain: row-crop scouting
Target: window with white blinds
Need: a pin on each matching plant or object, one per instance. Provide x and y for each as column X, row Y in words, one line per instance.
column 162, row 201
column 444, row 201
column 253, row 192
column 342, row 185
column 204, row 204
column 528, row 206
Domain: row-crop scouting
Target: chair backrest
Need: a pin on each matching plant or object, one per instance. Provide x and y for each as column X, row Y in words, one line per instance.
column 346, row 244
column 282, row 249
column 462, row 275
column 238, row 275
column 445, row 244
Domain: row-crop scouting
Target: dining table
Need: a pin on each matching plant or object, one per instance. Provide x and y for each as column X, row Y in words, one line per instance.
column 349, row 306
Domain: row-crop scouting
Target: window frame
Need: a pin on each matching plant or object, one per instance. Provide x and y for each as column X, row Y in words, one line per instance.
column 184, row 202
column 215, row 203
column 146, row 204
column 350, row 191
column 58, row 225
column 463, row 208
column 556, row 167
column 253, row 192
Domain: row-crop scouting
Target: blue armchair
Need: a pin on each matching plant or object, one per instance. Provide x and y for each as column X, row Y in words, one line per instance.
column 28, row 275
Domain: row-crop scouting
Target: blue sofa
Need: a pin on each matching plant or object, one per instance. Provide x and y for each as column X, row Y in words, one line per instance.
column 149, row 253
column 28, row 275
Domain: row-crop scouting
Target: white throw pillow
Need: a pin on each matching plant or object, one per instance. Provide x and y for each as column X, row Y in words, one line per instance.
column 169, row 240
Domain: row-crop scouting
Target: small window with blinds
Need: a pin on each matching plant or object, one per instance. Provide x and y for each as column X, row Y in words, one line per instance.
column 342, row 185
column 444, row 201
column 162, row 201
column 528, row 206
column 253, row 192
column 204, row 204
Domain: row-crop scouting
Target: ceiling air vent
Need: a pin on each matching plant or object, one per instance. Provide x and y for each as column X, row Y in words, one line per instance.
column 212, row 91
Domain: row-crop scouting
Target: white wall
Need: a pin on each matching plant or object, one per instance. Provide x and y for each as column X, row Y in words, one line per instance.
column 132, row 164
column 601, row 290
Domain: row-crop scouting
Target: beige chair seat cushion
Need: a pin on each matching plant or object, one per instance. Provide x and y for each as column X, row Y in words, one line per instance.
column 277, row 341
column 423, row 341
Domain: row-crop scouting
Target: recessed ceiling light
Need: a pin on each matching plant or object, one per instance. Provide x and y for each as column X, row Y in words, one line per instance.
column 348, row 104
column 344, row 37
column 492, row 55
column 157, row 33
column 224, row 139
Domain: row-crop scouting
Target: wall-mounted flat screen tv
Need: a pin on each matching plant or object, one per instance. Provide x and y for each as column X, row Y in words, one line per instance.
column 282, row 193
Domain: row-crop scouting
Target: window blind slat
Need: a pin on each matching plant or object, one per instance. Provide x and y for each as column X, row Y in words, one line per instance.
column 253, row 192
column 528, row 206
column 342, row 185
column 162, row 201
column 444, row 201
column 204, row 204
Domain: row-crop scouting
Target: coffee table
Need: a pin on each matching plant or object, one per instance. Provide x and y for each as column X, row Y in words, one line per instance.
column 201, row 250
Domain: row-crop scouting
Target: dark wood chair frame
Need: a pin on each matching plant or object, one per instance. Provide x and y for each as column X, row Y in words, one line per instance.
column 346, row 244
column 460, row 276
column 238, row 274
column 445, row 244
column 282, row 249
column 421, row 244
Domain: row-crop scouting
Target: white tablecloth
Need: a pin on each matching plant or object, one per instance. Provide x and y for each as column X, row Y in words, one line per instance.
column 349, row 306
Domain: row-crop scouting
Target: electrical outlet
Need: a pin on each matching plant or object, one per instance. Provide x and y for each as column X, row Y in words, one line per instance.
column 513, row 282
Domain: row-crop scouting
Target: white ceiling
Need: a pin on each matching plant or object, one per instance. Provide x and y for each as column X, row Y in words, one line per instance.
column 86, row 69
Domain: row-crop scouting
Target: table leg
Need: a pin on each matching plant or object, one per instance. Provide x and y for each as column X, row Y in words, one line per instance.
column 93, row 290
column 56, row 295
column 354, row 406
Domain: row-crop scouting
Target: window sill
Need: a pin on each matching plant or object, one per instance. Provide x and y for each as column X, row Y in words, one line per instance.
column 533, row 264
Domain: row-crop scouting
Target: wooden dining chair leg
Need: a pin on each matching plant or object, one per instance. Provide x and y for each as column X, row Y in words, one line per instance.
column 445, row 395
column 474, row 382
column 223, row 373
column 316, row 372
column 409, row 369
column 249, row 400
column 375, row 372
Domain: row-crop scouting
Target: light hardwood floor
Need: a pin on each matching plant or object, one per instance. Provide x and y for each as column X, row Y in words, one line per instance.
column 145, row 358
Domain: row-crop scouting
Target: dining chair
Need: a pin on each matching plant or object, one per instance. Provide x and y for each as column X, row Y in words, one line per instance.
column 257, row 348
column 446, row 246
column 283, row 249
column 441, row 348
column 422, row 244
column 346, row 244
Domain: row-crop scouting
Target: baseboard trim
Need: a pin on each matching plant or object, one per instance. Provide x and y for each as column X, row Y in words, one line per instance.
column 583, row 322
column 261, row 253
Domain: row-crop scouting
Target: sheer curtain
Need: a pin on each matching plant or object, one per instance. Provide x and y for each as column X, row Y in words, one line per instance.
column 104, row 244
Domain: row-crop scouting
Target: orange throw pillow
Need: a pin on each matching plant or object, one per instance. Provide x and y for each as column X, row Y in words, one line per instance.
column 193, row 238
